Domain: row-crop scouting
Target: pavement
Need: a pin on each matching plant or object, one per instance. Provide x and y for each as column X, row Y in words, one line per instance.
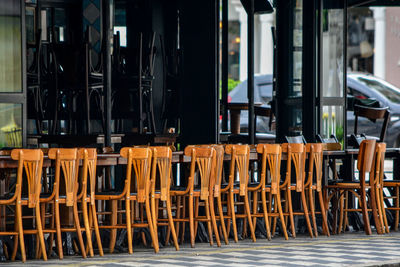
column 350, row 249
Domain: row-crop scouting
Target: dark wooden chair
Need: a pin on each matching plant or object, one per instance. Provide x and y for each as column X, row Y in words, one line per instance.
column 298, row 139
column 372, row 114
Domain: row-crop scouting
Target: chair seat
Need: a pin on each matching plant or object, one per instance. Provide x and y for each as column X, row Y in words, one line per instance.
column 109, row 193
column 178, row 188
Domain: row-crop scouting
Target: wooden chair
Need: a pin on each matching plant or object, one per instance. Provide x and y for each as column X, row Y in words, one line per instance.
column 271, row 162
column 136, row 191
column 203, row 159
column 30, row 162
column 364, row 165
column 160, row 190
column 313, row 184
column 239, row 166
column 296, row 154
column 379, row 172
column 87, row 197
column 298, row 139
column 65, row 192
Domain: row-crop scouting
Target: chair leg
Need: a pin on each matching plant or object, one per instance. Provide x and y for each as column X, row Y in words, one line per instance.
column 96, row 230
column 381, row 210
column 40, row 232
column 20, row 231
column 129, row 224
column 367, row 226
column 113, row 222
column 183, row 216
column 210, row 231
column 232, row 205
column 178, row 214
column 51, row 235
column 153, row 234
column 281, row 216
column 171, row 224
column 255, row 206
column 87, row 227
column 16, row 238
column 191, row 221
column 196, row 213
column 384, row 211
column 373, row 203
column 58, row 231
column 323, row 213
column 312, row 210
column 247, row 207
column 305, row 209
column 291, row 217
column 141, row 212
column 222, row 220
column 214, row 221
column 78, row 230
column 343, row 206
column 266, row 219
column 275, row 219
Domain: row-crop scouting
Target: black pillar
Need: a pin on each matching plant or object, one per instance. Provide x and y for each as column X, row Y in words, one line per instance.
column 224, row 61
column 199, row 111
column 250, row 69
column 108, row 33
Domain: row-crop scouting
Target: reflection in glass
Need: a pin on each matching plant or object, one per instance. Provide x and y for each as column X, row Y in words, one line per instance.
column 10, row 46
column 332, row 122
column 332, row 57
column 10, row 125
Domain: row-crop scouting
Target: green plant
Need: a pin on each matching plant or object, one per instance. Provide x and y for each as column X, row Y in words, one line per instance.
column 231, row 85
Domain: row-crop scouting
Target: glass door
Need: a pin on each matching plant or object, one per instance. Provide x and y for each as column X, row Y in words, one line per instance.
column 12, row 82
column 333, row 82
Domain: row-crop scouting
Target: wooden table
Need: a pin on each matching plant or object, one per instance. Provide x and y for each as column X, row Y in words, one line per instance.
column 72, row 140
column 234, row 111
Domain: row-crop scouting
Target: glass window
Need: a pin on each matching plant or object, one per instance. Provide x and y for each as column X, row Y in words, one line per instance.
column 332, row 122
column 332, row 53
column 10, row 47
column 297, row 53
column 10, row 125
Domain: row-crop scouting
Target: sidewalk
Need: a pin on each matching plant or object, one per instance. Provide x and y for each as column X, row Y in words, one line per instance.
column 344, row 250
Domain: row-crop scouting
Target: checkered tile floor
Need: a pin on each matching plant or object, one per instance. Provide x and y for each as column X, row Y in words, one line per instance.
column 343, row 250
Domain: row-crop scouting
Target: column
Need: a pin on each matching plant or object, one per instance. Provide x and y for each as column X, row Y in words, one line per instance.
column 266, row 44
column 380, row 41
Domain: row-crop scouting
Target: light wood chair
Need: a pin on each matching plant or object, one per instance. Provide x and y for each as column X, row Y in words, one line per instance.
column 313, row 185
column 134, row 192
column 364, row 165
column 65, row 192
column 87, row 197
column 30, row 163
column 378, row 169
column 202, row 164
column 239, row 168
column 271, row 155
column 160, row 190
column 296, row 158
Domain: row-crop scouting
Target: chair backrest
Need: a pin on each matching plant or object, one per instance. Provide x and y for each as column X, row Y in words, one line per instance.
column 296, row 156
column 372, row 114
column 140, row 159
column 162, row 159
column 67, row 160
column 203, row 160
column 240, row 155
column 89, row 157
column 219, row 166
column 379, row 164
column 272, row 154
column 30, row 161
column 315, row 163
column 299, row 139
column 365, row 158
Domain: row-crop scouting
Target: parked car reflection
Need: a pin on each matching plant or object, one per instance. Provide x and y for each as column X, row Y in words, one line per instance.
column 359, row 85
